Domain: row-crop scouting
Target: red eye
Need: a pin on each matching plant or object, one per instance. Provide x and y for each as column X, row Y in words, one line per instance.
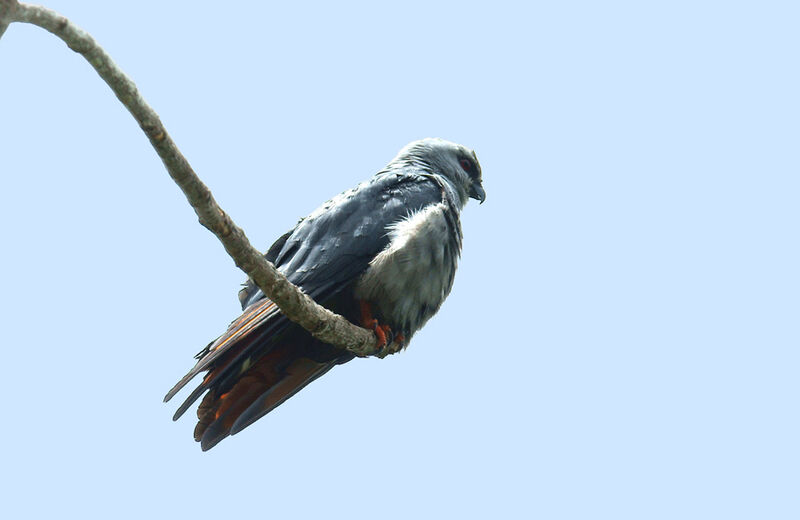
column 464, row 165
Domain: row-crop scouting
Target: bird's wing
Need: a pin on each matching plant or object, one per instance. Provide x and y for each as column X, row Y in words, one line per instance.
column 243, row 327
column 334, row 245
column 286, row 368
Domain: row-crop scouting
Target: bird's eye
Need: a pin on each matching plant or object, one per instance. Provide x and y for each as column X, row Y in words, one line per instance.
column 465, row 165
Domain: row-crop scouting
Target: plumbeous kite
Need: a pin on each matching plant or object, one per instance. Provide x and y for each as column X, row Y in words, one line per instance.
column 383, row 255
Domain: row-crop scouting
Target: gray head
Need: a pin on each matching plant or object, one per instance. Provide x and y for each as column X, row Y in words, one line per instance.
column 457, row 163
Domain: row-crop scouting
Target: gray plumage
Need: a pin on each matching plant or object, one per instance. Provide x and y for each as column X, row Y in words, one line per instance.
column 392, row 243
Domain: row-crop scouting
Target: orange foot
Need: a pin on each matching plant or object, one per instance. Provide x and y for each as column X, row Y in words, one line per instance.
column 384, row 332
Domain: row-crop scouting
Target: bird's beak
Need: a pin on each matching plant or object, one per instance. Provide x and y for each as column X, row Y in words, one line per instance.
column 477, row 192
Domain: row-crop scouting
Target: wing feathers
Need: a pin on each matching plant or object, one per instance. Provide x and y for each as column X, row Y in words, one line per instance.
column 255, row 315
column 302, row 372
column 275, row 377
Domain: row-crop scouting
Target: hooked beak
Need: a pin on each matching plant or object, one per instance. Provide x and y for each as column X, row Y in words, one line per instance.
column 477, row 192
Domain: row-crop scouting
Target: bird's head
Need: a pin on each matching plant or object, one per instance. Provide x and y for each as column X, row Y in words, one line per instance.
column 457, row 163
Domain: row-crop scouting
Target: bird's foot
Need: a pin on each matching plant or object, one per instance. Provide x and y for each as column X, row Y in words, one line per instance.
column 394, row 346
column 384, row 333
column 388, row 343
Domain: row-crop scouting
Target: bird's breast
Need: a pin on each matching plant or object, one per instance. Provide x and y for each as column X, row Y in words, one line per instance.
column 408, row 281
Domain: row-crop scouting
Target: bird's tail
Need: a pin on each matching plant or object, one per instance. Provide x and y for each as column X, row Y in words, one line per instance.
column 261, row 361
column 271, row 380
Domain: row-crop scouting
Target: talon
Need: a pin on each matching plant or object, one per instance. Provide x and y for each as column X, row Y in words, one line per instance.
column 383, row 332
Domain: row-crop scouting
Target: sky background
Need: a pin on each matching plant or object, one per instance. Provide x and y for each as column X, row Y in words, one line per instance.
column 622, row 338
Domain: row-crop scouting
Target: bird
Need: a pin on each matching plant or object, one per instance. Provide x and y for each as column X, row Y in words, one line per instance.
column 382, row 254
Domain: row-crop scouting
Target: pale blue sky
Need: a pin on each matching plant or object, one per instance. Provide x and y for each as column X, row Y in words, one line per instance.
column 622, row 339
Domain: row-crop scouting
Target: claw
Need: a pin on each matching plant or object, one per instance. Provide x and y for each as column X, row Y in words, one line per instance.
column 383, row 332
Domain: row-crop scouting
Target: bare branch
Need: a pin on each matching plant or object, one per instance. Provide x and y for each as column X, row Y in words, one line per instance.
column 297, row 306
column 7, row 10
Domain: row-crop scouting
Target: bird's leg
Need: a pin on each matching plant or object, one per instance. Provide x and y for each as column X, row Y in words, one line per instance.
column 384, row 332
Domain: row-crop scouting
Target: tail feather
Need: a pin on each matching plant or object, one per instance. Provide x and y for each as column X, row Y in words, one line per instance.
column 269, row 382
column 231, row 365
column 261, row 361
column 254, row 316
column 261, row 376
column 302, row 372
column 196, row 393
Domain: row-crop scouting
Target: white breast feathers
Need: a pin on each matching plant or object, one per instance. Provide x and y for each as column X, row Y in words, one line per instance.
column 410, row 278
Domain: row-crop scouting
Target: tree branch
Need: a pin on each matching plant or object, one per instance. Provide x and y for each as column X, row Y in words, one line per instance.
column 7, row 10
column 297, row 306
